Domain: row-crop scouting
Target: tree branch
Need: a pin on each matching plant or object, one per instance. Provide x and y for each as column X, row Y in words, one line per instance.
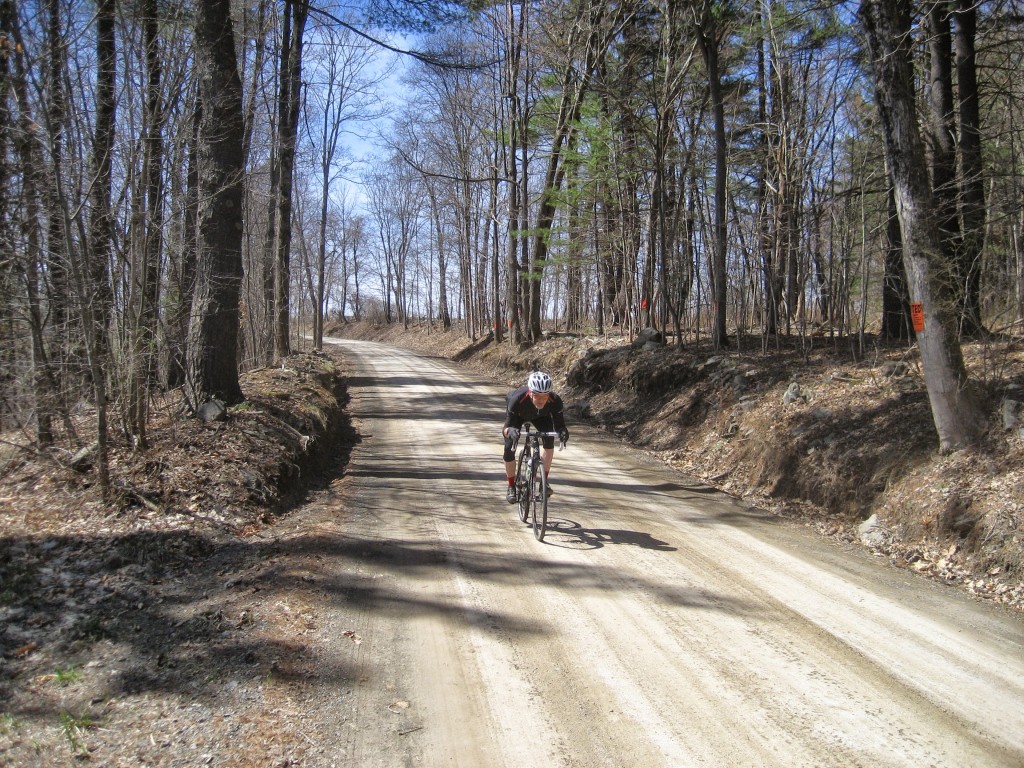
column 433, row 59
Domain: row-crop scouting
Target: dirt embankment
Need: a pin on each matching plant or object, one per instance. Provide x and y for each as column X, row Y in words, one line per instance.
column 844, row 445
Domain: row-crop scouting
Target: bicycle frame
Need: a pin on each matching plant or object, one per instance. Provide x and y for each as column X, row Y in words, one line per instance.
column 531, row 482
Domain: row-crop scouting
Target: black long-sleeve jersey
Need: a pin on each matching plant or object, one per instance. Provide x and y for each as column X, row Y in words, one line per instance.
column 520, row 409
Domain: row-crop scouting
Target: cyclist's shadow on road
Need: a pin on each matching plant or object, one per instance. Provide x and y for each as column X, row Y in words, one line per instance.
column 568, row 533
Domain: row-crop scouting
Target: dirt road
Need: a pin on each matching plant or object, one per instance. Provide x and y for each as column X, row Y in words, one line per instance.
column 659, row 624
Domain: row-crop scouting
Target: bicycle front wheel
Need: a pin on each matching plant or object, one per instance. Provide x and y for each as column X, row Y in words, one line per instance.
column 540, row 503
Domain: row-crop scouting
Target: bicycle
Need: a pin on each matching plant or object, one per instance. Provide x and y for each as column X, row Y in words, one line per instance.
column 531, row 482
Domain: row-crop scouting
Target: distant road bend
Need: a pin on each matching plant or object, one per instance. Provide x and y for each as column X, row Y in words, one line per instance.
column 660, row 623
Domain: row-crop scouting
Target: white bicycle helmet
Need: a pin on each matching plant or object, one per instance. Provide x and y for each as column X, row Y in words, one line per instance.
column 539, row 382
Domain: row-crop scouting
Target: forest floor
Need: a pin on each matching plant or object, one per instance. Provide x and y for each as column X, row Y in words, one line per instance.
column 171, row 626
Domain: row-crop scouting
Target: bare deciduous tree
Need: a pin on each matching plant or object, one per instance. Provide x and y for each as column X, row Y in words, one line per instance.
column 213, row 327
column 929, row 261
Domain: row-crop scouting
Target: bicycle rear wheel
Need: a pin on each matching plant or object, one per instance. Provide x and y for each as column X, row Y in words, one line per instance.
column 540, row 503
column 523, row 487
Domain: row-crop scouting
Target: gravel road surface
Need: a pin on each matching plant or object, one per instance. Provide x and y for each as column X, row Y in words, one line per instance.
column 660, row 623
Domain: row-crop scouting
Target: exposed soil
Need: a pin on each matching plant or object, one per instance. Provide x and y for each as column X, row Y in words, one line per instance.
column 172, row 626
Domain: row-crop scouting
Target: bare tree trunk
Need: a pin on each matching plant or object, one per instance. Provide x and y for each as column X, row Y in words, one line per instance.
column 182, row 275
column 29, row 257
column 288, row 120
column 56, row 117
column 955, row 407
column 356, row 235
column 764, row 229
column 213, row 328
column 145, row 284
column 443, row 310
column 515, row 39
column 94, row 282
column 708, row 37
column 259, row 343
column 495, row 248
column 942, row 124
column 972, row 177
column 895, row 294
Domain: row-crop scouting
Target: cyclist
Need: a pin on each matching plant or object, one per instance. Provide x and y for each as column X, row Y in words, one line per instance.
column 536, row 403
